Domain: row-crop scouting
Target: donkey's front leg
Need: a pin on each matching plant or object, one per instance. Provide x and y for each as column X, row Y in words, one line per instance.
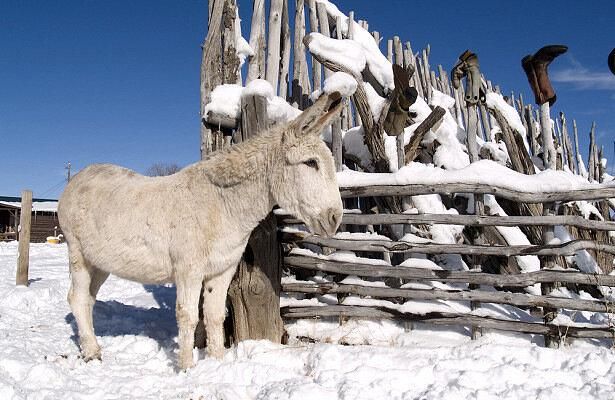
column 214, row 306
column 187, row 312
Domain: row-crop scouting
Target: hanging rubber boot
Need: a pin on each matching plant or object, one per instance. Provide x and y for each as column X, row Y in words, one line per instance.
column 402, row 97
column 536, row 67
column 457, row 73
column 473, row 90
column 468, row 67
column 611, row 61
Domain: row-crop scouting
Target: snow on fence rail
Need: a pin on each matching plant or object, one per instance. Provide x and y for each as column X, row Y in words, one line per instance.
column 478, row 287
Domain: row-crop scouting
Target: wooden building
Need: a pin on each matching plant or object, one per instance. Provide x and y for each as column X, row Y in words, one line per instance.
column 44, row 218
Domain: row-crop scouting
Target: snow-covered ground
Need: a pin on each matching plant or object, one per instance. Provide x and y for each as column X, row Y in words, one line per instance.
column 39, row 357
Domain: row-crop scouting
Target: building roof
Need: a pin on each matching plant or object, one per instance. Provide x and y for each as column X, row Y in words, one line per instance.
column 45, row 205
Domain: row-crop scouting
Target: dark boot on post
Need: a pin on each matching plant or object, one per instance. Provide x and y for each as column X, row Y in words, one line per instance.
column 536, row 67
column 526, row 63
column 611, row 61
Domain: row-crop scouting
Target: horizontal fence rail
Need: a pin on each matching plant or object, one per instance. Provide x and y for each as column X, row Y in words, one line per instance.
column 516, row 299
column 500, row 191
column 563, row 249
column 421, row 274
column 468, row 220
column 449, row 319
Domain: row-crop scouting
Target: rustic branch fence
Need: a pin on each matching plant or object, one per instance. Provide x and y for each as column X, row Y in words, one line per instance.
column 551, row 277
column 533, row 213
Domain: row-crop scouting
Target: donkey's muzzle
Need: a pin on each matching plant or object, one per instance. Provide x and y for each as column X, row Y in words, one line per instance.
column 333, row 218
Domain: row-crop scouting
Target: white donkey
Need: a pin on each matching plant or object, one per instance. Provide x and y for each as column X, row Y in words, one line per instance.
column 192, row 227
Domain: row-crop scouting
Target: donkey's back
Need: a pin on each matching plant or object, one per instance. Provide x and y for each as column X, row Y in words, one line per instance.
column 119, row 221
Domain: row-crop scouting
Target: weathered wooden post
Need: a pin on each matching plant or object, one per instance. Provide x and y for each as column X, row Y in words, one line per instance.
column 591, row 160
column 255, row 290
column 285, row 53
column 273, row 43
column 569, row 160
column 336, row 126
column 25, row 222
column 301, row 82
column 256, row 68
column 316, row 68
column 211, row 72
column 535, row 67
column 577, row 153
column 399, row 139
column 468, row 66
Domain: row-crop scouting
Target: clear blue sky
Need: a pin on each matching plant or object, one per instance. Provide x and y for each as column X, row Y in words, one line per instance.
column 118, row 81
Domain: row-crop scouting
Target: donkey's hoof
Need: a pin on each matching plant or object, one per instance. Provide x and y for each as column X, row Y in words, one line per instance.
column 186, row 364
column 91, row 352
column 90, row 357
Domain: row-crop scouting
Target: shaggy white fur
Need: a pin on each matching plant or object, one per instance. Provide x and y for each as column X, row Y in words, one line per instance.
column 192, row 227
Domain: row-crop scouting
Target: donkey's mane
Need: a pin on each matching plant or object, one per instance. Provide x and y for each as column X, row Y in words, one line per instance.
column 233, row 165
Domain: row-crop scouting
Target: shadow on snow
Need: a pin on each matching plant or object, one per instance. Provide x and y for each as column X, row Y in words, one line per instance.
column 112, row 318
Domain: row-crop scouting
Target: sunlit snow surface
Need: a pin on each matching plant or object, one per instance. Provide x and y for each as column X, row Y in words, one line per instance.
column 136, row 329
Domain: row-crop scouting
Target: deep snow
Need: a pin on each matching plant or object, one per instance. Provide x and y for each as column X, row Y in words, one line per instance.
column 136, row 328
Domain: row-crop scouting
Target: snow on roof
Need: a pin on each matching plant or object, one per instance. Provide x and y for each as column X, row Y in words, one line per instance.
column 42, row 206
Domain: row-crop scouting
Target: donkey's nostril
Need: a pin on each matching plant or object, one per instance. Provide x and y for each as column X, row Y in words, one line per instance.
column 334, row 217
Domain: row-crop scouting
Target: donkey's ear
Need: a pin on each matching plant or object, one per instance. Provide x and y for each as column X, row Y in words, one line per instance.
column 313, row 119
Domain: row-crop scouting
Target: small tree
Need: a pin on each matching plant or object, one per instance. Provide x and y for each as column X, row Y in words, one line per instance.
column 162, row 169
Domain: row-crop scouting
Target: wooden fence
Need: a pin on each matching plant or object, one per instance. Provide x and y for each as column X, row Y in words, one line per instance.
column 275, row 40
column 547, row 278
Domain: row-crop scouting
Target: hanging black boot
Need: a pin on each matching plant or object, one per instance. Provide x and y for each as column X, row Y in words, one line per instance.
column 535, row 67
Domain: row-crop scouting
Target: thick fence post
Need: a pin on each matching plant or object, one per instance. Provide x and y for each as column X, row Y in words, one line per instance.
column 25, row 222
column 255, row 290
column 478, row 204
column 548, row 262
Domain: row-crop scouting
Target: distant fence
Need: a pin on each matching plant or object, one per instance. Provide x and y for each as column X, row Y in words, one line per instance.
column 8, row 236
column 547, row 277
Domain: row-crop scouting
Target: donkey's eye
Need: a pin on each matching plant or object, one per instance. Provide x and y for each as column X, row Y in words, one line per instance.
column 312, row 163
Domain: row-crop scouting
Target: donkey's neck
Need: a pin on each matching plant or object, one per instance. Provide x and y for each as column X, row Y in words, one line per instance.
column 240, row 176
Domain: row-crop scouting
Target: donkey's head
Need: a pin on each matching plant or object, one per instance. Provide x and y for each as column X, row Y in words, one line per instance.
column 305, row 183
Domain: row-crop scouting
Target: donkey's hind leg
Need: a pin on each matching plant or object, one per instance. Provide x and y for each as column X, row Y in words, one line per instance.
column 214, row 307
column 85, row 282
